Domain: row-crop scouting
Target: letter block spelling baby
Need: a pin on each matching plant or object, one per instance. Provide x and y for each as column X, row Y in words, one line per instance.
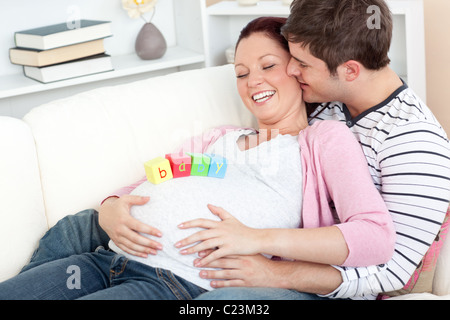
column 182, row 165
column 200, row 164
column 217, row 167
column 158, row 170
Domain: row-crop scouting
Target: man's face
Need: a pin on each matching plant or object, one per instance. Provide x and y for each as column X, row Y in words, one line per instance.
column 317, row 83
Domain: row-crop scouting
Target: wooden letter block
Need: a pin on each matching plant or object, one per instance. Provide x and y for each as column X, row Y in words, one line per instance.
column 180, row 164
column 199, row 164
column 218, row 166
column 158, row 170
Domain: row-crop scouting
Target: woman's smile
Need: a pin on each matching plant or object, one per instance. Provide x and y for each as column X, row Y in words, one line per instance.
column 263, row 96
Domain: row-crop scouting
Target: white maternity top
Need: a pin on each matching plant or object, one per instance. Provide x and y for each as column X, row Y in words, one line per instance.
column 262, row 188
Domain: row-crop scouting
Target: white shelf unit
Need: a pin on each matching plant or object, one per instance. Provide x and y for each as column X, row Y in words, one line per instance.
column 200, row 35
column 124, row 65
column 184, row 20
column 225, row 20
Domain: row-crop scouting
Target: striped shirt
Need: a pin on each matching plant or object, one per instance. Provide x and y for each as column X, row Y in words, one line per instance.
column 408, row 154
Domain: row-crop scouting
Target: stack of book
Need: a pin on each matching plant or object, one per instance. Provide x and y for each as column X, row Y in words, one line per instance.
column 61, row 51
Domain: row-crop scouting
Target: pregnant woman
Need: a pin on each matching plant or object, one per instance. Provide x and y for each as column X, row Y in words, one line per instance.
column 284, row 175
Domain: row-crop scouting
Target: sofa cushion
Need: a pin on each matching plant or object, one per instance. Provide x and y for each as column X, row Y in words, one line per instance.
column 432, row 273
column 22, row 215
column 441, row 281
column 95, row 142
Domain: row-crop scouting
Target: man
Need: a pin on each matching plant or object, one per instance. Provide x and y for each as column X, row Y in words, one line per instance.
column 337, row 56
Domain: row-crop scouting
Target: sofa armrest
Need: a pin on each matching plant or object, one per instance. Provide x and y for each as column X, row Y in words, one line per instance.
column 22, row 215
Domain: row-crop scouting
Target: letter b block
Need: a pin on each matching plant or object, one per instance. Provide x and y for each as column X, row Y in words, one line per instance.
column 180, row 164
column 199, row 164
column 218, row 166
column 158, row 170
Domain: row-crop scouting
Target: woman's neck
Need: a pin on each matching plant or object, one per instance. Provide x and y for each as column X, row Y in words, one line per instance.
column 267, row 133
column 290, row 125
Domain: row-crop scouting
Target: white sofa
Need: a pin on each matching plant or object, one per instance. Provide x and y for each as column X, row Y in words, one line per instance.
column 67, row 155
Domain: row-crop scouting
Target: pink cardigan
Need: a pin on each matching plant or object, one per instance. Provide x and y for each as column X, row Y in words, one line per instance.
column 334, row 170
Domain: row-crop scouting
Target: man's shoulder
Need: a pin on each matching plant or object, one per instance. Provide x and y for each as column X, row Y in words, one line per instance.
column 410, row 106
column 329, row 111
column 408, row 112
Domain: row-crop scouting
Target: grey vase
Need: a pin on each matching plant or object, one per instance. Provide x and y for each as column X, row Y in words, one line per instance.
column 150, row 43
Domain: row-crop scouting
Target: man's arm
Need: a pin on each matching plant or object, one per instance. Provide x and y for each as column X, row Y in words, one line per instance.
column 415, row 185
column 259, row 271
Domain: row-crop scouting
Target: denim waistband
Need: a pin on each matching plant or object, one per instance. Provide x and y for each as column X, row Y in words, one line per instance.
column 121, row 267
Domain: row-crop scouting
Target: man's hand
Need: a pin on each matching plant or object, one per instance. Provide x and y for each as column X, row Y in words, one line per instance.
column 241, row 271
column 123, row 229
column 259, row 271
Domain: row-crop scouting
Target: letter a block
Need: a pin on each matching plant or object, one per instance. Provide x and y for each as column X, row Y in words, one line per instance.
column 218, row 166
column 180, row 164
column 158, row 170
column 199, row 164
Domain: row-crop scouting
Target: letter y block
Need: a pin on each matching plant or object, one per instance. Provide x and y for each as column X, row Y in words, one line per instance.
column 218, row 166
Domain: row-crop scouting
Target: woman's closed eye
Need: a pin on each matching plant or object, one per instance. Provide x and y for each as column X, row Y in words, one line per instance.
column 243, row 75
column 269, row 67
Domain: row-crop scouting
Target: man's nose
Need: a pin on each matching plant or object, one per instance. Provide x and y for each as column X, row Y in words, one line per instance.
column 292, row 69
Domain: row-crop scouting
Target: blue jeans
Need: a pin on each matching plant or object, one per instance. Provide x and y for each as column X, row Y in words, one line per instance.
column 101, row 275
column 247, row 293
column 74, row 234
column 81, row 233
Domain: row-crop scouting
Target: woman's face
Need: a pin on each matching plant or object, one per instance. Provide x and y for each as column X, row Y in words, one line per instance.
column 262, row 80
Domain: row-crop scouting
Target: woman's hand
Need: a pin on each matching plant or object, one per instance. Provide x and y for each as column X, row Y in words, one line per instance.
column 123, row 229
column 229, row 236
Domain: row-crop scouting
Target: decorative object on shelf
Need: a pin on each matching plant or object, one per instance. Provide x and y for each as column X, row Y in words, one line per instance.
column 150, row 42
column 287, row 2
column 229, row 53
column 247, row 2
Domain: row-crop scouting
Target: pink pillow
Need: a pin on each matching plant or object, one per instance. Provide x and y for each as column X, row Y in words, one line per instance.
column 422, row 278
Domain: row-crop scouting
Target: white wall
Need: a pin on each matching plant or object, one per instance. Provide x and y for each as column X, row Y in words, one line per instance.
column 437, row 44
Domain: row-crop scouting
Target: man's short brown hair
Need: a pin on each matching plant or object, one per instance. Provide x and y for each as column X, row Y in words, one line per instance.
column 337, row 31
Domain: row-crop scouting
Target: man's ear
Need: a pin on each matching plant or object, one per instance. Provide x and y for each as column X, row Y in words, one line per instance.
column 350, row 70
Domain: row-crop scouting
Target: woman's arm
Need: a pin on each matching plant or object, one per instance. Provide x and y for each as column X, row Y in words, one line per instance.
column 123, row 229
column 364, row 236
column 322, row 245
column 364, row 219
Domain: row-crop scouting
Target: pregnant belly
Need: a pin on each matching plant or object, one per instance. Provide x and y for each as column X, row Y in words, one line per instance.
column 172, row 203
column 175, row 201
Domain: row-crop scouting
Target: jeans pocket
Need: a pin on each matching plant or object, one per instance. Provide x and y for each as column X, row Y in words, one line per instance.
column 118, row 264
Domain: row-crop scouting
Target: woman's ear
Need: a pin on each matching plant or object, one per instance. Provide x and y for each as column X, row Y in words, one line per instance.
column 351, row 70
